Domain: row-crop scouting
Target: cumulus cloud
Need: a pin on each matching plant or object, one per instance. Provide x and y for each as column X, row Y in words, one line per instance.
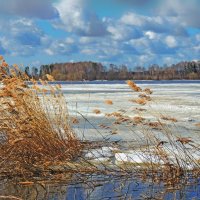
column 183, row 12
column 24, row 38
column 24, row 31
column 151, row 35
column 61, row 47
column 186, row 12
column 29, row 8
column 133, row 38
column 13, row 48
column 156, row 24
column 170, row 41
column 76, row 17
column 123, row 32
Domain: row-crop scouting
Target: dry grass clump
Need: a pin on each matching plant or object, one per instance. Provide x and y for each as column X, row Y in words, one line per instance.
column 184, row 140
column 133, row 86
column 148, row 91
column 172, row 119
column 138, row 119
column 145, row 97
column 34, row 128
column 108, row 102
column 122, row 120
column 155, row 125
column 198, row 124
column 140, row 101
column 74, row 120
column 104, row 126
column 114, row 114
column 50, row 77
column 97, row 111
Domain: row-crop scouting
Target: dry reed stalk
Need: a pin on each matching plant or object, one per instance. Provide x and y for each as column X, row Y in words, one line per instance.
column 172, row 119
column 140, row 101
column 35, row 127
column 133, row 86
column 148, row 91
column 108, row 102
column 155, row 125
column 114, row 114
column 97, row 111
column 138, row 119
column 198, row 124
column 172, row 172
column 145, row 97
column 9, row 198
column 74, row 120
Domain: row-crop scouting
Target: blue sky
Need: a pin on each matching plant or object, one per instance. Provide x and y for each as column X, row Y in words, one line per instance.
column 131, row 32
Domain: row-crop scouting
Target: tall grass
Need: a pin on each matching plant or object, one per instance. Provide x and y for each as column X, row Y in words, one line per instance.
column 34, row 127
column 159, row 151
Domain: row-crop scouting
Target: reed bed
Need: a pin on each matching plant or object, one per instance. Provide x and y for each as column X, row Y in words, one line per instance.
column 34, row 127
column 159, row 152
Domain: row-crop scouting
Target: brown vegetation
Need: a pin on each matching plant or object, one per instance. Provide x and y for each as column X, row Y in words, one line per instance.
column 108, row 102
column 148, row 91
column 198, row 124
column 97, row 111
column 138, row 119
column 140, row 101
column 35, row 128
column 172, row 119
column 133, row 86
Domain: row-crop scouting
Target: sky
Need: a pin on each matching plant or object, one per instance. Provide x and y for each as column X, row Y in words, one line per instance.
column 130, row 32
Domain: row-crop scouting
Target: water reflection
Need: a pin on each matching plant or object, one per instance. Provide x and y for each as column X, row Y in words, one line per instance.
column 98, row 187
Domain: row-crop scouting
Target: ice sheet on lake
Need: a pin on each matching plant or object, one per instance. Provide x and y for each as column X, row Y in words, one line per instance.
column 187, row 157
column 180, row 101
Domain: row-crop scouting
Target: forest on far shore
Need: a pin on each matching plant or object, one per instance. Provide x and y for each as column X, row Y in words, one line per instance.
column 97, row 71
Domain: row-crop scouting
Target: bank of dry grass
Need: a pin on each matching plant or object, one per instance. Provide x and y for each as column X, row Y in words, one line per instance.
column 34, row 127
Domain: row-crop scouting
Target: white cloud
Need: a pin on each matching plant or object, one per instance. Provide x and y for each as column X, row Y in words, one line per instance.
column 123, row 32
column 133, row 19
column 170, row 41
column 76, row 17
column 61, row 47
column 132, row 38
column 86, row 40
column 24, row 38
column 157, row 24
column 88, row 51
column 151, row 35
column 49, row 52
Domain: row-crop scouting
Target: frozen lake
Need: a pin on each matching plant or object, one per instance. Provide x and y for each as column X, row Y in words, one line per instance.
column 177, row 99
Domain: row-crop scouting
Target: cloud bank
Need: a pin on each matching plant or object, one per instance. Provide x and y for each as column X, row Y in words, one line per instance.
column 147, row 32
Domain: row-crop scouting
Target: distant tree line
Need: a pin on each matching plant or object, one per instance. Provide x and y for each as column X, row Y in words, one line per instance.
column 96, row 71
